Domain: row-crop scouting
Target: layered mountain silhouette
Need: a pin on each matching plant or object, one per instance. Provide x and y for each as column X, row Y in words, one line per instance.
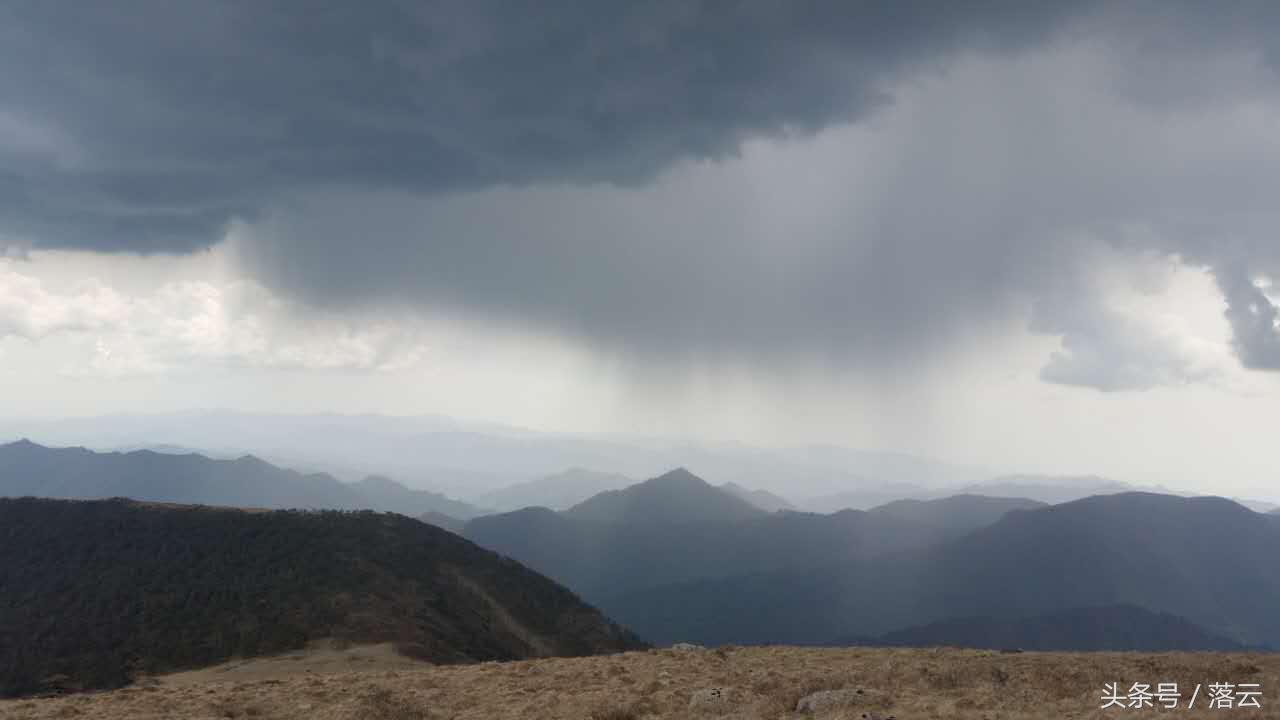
column 28, row 469
column 558, row 492
column 677, row 528
column 95, row 592
column 1110, row 627
column 1054, row 489
column 762, row 499
column 957, row 514
column 1045, row 489
column 864, row 496
column 440, row 520
column 1209, row 560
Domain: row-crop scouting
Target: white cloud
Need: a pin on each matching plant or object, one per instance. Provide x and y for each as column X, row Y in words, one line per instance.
column 195, row 322
column 1135, row 321
column 29, row 310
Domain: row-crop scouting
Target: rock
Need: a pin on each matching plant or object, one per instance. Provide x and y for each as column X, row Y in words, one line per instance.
column 686, row 647
column 709, row 698
column 827, row 699
column 877, row 716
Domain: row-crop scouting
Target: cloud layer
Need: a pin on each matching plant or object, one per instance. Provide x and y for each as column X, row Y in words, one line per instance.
column 149, row 124
column 193, row 324
column 869, row 185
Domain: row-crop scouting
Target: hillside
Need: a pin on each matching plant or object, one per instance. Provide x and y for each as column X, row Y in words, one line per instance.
column 1113, row 627
column 753, row 683
column 1208, row 560
column 560, row 491
column 95, row 592
column 28, row 469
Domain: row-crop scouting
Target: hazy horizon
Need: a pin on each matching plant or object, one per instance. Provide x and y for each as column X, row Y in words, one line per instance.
column 1041, row 238
column 353, row 446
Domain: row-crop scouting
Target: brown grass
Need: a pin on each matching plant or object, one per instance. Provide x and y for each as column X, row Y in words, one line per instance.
column 763, row 683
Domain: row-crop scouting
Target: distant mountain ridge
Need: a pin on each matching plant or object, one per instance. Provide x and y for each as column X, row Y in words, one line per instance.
column 763, row 499
column 469, row 459
column 560, row 491
column 447, row 522
column 28, row 469
column 1159, row 552
column 678, row 528
column 97, row 591
column 1054, row 489
column 386, row 494
column 958, row 513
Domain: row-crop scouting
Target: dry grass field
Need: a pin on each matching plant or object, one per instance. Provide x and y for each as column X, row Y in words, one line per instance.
column 756, row 683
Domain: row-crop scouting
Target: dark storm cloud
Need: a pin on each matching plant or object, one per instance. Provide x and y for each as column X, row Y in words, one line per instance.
column 1255, row 321
column 372, row 150
column 161, row 120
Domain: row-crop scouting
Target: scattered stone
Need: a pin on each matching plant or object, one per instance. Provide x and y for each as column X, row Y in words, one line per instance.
column 877, row 716
column 709, row 698
column 686, row 647
column 827, row 699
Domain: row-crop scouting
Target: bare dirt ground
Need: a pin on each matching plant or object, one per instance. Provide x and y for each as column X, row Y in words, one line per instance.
column 758, row 683
column 324, row 658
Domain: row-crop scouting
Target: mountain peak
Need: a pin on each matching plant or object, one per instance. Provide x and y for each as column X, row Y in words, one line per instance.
column 679, row 476
column 677, row 496
column 29, row 446
column 250, row 459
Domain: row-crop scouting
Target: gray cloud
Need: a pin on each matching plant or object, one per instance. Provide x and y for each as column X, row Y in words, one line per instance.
column 151, row 123
column 536, row 168
column 1255, row 321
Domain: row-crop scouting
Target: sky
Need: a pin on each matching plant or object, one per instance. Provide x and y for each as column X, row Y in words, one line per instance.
column 1036, row 236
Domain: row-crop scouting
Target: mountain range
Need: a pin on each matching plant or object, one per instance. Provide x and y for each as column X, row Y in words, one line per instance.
column 559, row 491
column 1208, row 560
column 30, row 469
column 1045, row 489
column 679, row 559
column 96, row 592
column 468, row 460
column 763, row 499
column 678, row 528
